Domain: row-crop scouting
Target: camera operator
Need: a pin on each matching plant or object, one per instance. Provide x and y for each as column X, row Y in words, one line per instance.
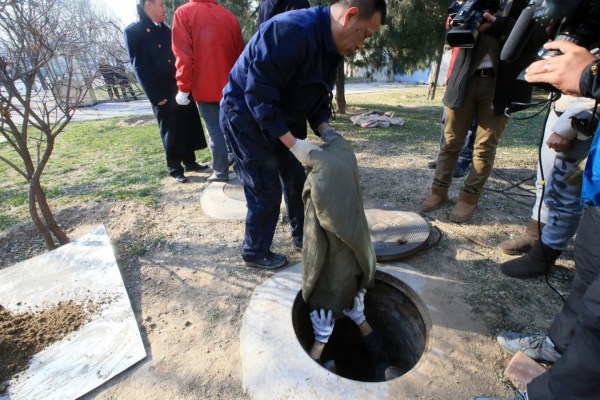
column 480, row 85
column 572, row 343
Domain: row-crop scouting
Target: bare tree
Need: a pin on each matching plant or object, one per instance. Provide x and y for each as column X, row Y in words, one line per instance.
column 49, row 39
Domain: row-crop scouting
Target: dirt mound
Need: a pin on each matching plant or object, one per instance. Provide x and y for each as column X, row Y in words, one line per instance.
column 24, row 334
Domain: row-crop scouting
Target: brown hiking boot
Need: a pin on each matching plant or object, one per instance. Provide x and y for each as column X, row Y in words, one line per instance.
column 537, row 262
column 524, row 243
column 437, row 198
column 464, row 209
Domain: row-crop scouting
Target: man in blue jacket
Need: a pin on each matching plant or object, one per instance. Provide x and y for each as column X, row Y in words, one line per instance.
column 283, row 78
column 572, row 344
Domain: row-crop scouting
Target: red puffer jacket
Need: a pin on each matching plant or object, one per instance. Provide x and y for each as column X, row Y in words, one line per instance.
column 207, row 40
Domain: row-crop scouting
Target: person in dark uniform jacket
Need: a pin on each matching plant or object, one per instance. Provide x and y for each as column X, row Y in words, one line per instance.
column 270, row 8
column 148, row 44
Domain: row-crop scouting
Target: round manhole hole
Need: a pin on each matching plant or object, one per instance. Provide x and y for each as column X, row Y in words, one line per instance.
column 394, row 310
column 234, row 189
column 396, row 234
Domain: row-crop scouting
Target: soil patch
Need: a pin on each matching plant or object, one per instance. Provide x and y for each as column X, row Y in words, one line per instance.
column 24, row 334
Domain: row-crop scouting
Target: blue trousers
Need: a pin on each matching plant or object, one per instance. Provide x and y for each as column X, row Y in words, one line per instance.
column 267, row 169
column 561, row 211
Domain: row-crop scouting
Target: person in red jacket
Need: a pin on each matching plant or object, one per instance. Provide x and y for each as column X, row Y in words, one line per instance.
column 207, row 41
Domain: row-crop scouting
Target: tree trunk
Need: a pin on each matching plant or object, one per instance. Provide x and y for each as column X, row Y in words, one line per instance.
column 48, row 226
column 340, row 90
column 42, row 229
column 435, row 72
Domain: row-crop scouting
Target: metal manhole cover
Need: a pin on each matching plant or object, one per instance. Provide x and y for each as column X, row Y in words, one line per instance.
column 234, row 189
column 396, row 234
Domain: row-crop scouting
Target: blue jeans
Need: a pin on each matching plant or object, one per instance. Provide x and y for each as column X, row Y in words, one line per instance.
column 216, row 138
column 561, row 211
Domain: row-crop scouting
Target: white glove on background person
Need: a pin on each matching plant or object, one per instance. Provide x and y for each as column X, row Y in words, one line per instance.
column 301, row 150
column 357, row 312
column 183, row 99
column 322, row 325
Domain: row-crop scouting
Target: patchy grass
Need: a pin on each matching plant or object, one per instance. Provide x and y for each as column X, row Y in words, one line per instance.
column 107, row 160
column 96, row 160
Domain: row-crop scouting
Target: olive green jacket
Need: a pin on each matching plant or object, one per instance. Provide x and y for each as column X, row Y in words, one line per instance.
column 338, row 256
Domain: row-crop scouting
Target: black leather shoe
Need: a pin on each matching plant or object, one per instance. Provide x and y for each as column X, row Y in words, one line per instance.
column 180, row 178
column 270, row 261
column 196, row 167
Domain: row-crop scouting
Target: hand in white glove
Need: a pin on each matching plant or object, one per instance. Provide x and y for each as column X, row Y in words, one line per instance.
column 301, row 150
column 322, row 325
column 357, row 312
column 183, row 99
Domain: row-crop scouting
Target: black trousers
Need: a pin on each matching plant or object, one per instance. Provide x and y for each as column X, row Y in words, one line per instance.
column 576, row 329
column 181, row 133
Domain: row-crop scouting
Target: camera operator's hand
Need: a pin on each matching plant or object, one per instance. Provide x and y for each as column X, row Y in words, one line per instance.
column 562, row 71
column 558, row 143
column 489, row 21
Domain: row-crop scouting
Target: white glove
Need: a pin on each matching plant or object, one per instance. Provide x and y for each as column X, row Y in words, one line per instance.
column 322, row 325
column 357, row 312
column 301, row 150
column 183, row 99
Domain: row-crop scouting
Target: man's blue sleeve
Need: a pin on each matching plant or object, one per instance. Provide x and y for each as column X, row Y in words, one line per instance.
column 279, row 50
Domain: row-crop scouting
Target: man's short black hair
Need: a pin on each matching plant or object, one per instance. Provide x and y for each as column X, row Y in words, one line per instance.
column 367, row 8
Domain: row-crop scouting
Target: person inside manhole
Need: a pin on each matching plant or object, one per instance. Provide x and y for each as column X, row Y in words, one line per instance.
column 323, row 322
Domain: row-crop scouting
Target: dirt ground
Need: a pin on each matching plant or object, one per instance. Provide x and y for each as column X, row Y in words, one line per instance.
column 189, row 287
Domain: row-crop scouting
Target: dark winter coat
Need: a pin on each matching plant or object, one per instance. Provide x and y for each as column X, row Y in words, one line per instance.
column 150, row 52
column 507, row 87
column 270, row 8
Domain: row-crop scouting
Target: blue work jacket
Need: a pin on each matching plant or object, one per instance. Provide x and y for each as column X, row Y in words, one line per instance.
column 590, row 191
column 285, row 74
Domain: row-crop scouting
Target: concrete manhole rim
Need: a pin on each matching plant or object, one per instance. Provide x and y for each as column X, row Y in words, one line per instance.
column 275, row 365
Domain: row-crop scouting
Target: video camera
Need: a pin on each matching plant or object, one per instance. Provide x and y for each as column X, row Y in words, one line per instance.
column 576, row 21
column 466, row 19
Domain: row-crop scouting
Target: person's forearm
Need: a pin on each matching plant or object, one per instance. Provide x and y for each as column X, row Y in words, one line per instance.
column 288, row 140
column 316, row 350
column 365, row 328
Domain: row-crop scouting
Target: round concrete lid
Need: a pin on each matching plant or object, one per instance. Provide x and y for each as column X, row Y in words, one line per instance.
column 396, row 234
column 234, row 189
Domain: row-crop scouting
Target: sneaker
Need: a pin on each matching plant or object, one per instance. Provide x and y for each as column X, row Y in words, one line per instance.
column 215, row 178
column 461, row 169
column 270, row 261
column 536, row 346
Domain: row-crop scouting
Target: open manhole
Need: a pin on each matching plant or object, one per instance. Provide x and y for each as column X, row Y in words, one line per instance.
column 234, row 189
column 396, row 234
column 394, row 310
